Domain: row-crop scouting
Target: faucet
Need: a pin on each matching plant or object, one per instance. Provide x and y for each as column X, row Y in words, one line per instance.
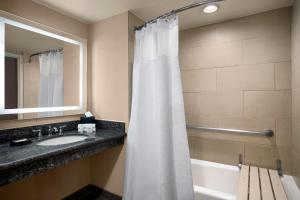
column 39, row 131
column 52, row 130
column 61, row 129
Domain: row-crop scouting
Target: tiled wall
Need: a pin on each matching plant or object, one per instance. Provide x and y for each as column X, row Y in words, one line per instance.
column 237, row 74
column 296, row 91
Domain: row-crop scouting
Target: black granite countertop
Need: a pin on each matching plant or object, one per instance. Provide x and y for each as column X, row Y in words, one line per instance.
column 19, row 162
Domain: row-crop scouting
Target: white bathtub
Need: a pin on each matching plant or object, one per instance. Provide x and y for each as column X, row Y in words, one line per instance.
column 215, row 181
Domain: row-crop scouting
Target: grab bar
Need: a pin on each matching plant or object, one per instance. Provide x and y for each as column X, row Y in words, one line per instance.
column 265, row 133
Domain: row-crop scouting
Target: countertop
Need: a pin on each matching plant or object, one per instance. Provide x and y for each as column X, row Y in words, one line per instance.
column 19, row 162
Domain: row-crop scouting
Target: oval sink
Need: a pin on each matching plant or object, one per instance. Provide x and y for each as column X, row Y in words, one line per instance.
column 62, row 140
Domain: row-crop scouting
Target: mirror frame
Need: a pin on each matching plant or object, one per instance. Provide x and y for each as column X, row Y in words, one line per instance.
column 4, row 111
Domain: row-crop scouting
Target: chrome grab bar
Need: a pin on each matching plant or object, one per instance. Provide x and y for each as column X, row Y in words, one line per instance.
column 265, row 133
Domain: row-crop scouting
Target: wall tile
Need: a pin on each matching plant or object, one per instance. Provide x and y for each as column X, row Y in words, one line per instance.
column 251, row 56
column 251, row 77
column 267, row 103
column 295, row 29
column 192, row 147
column 283, row 75
column 246, row 123
column 281, row 22
column 199, row 57
column 296, row 91
column 235, row 30
column 197, row 37
column 296, row 105
column 296, row 87
column 220, row 54
column 228, row 53
column 213, row 103
column 296, row 135
column 201, row 120
column 199, row 80
column 266, row 156
column 284, row 132
column 266, row 49
column 276, row 23
column 216, row 150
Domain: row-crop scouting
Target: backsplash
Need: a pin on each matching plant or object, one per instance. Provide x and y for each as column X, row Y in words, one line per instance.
column 7, row 135
column 116, row 126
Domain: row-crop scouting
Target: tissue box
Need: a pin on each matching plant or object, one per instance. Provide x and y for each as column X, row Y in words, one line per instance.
column 86, row 128
column 87, row 120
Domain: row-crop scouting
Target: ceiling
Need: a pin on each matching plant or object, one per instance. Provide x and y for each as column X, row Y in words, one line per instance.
column 91, row 11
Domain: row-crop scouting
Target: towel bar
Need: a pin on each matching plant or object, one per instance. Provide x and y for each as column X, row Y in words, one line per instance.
column 265, row 133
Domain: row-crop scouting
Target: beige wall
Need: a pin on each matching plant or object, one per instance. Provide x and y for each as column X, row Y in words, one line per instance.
column 237, row 74
column 58, row 183
column 108, row 68
column 108, row 93
column 111, row 51
column 296, row 91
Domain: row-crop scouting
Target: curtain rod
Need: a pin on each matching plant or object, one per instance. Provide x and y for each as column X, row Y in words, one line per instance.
column 39, row 53
column 202, row 3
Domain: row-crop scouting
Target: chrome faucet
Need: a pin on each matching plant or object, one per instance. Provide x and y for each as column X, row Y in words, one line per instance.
column 52, row 130
column 61, row 129
column 39, row 131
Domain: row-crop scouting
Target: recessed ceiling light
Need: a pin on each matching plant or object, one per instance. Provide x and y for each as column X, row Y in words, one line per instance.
column 210, row 8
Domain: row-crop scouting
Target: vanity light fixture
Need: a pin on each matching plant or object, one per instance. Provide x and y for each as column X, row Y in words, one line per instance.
column 210, row 8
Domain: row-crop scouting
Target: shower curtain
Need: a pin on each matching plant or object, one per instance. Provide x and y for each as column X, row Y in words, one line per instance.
column 51, row 92
column 157, row 158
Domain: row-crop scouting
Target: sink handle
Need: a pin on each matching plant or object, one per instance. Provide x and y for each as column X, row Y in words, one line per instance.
column 39, row 131
column 61, row 129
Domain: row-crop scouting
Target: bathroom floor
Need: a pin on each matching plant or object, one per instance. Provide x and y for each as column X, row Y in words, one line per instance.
column 92, row 192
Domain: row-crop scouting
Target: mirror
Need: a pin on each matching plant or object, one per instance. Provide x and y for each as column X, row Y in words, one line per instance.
column 42, row 73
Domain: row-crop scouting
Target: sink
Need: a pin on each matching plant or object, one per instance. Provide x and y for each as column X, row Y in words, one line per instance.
column 62, row 140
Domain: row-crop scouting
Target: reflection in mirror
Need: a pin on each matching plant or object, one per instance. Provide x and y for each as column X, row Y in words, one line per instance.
column 40, row 71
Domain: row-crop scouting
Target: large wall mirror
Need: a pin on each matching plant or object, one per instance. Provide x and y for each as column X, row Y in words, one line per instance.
column 41, row 73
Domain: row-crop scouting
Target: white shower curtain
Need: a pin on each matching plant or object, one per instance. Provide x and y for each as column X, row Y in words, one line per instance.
column 51, row 92
column 157, row 158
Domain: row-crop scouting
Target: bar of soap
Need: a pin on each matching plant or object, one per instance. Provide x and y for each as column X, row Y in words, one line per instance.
column 20, row 142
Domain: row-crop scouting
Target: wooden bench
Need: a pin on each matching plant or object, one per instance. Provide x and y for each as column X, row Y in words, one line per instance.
column 260, row 184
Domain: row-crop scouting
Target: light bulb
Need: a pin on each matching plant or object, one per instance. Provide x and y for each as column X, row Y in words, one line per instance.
column 210, row 8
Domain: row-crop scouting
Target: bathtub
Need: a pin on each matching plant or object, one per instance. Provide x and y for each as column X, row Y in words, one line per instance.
column 215, row 181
